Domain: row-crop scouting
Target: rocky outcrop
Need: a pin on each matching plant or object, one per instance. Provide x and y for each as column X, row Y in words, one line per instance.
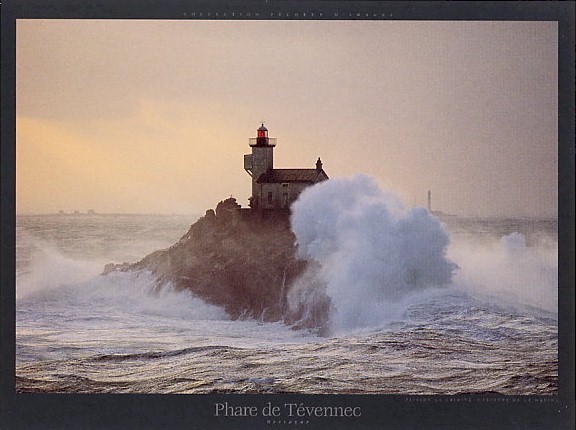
column 239, row 259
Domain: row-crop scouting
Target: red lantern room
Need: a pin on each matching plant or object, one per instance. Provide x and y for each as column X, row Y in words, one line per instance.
column 262, row 138
column 262, row 131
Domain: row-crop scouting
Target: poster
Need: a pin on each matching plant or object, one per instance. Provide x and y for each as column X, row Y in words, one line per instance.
column 448, row 112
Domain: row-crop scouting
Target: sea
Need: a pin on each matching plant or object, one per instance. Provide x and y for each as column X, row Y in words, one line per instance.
column 492, row 329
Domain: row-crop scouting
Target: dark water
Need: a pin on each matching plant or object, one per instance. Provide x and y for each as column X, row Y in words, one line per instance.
column 493, row 330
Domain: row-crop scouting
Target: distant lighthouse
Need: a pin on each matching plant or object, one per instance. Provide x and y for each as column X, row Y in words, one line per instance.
column 429, row 200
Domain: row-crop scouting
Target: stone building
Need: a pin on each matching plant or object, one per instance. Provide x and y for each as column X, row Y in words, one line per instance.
column 276, row 188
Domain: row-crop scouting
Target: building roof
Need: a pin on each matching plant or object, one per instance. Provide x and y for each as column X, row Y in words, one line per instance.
column 292, row 175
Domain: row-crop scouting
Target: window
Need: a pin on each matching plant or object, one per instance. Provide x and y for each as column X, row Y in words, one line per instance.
column 270, row 197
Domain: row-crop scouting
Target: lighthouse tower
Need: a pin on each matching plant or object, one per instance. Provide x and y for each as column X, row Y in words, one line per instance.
column 260, row 161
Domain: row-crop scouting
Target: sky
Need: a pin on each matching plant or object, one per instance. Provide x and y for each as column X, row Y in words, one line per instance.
column 154, row 116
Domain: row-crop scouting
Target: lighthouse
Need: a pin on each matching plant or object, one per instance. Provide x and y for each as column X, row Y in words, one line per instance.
column 275, row 188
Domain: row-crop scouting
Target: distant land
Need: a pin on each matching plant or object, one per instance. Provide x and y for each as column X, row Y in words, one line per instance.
column 440, row 214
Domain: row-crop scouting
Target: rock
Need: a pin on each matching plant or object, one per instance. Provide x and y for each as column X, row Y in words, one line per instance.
column 111, row 267
column 239, row 259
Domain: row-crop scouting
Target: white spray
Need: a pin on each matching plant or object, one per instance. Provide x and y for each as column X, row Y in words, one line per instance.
column 75, row 286
column 369, row 250
column 509, row 270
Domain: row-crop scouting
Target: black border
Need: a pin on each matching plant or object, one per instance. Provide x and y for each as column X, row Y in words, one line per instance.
column 96, row 411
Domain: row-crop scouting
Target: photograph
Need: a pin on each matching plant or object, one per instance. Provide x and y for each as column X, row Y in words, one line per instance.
column 315, row 211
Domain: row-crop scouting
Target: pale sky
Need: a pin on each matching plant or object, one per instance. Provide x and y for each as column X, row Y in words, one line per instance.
column 154, row 116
